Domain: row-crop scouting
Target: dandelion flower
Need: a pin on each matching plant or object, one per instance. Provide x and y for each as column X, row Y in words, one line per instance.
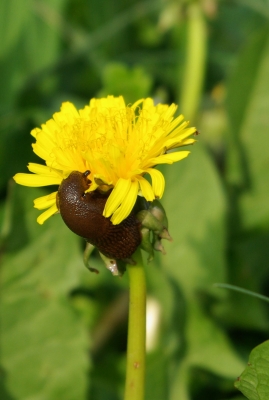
column 119, row 144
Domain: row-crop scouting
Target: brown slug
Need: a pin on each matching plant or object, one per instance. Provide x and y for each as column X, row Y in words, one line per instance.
column 83, row 214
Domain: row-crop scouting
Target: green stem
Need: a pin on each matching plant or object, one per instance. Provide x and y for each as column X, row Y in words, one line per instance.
column 242, row 290
column 135, row 370
column 193, row 75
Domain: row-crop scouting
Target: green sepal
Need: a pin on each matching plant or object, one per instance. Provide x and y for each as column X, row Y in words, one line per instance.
column 149, row 221
column 158, row 211
column 157, row 244
column 146, row 243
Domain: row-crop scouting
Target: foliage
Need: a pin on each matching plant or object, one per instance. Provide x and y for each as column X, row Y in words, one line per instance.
column 254, row 381
column 64, row 328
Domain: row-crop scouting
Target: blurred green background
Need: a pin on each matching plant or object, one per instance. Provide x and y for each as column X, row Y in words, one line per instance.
column 63, row 328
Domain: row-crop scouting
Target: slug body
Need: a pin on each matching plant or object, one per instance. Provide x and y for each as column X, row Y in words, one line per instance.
column 83, row 214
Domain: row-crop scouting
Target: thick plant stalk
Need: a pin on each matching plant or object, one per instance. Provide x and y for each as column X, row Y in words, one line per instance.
column 194, row 69
column 135, row 370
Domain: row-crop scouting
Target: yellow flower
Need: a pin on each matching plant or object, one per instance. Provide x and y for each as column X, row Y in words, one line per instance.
column 119, row 144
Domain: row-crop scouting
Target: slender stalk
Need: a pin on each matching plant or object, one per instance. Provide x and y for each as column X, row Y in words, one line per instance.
column 135, row 370
column 194, row 69
column 241, row 290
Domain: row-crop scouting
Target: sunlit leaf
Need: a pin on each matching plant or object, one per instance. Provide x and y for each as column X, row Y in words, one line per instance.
column 249, row 117
column 254, row 381
column 43, row 341
column 196, row 208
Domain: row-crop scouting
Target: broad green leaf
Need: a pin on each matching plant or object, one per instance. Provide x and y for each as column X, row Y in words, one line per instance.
column 196, row 207
column 248, row 98
column 195, row 204
column 43, row 341
column 156, row 376
column 248, row 94
column 162, row 289
column 209, row 345
column 254, row 381
column 208, row 348
column 180, row 388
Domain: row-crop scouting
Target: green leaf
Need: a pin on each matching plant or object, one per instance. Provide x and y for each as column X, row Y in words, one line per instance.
column 254, row 381
column 156, row 376
column 195, row 204
column 196, row 208
column 249, row 119
column 43, row 341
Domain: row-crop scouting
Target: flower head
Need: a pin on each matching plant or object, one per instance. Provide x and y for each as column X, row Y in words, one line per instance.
column 120, row 145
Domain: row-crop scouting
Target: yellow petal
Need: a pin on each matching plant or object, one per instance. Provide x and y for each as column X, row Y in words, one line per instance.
column 36, row 180
column 176, row 122
column 146, row 188
column 48, row 213
column 136, row 104
column 182, row 131
column 169, row 158
column 127, row 205
column 158, row 182
column 69, row 108
column 93, row 187
column 175, row 142
column 35, row 131
column 186, row 142
column 43, row 169
column 40, row 151
column 45, row 201
column 117, row 196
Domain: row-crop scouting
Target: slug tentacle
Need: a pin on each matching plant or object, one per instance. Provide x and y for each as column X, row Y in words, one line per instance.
column 83, row 214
